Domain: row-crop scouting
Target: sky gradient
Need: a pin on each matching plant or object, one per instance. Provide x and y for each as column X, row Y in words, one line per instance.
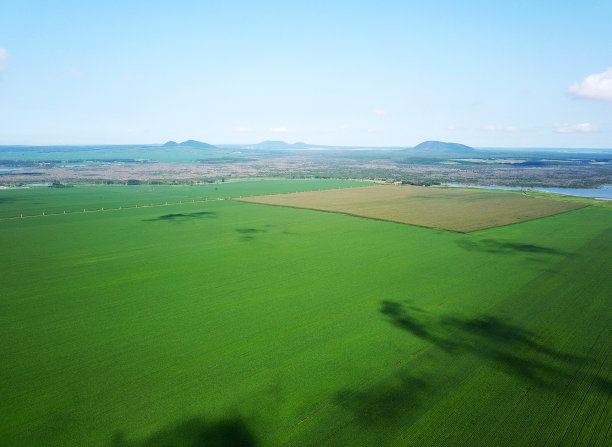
column 380, row 73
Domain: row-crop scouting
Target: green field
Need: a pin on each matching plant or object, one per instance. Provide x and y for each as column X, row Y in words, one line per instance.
column 38, row 200
column 231, row 323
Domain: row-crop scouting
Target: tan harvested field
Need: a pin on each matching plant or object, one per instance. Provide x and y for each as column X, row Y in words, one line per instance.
column 441, row 208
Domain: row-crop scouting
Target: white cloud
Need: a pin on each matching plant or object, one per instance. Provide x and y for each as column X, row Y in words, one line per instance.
column 279, row 129
column 380, row 112
column 595, row 86
column 575, row 128
column 244, row 129
column 492, row 128
column 3, row 59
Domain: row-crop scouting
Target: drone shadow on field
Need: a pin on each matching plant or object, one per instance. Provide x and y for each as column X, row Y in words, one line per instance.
column 180, row 217
column 195, row 432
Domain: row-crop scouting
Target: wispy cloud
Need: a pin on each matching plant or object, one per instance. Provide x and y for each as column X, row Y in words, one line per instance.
column 279, row 129
column 3, row 59
column 380, row 112
column 454, row 127
column 595, row 86
column 492, row 128
column 575, row 128
column 244, row 129
column 74, row 72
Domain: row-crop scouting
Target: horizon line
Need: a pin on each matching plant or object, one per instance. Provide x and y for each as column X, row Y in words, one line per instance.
column 305, row 144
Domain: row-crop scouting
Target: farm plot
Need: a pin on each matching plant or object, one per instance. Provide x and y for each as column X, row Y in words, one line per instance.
column 440, row 208
column 230, row 323
column 38, row 200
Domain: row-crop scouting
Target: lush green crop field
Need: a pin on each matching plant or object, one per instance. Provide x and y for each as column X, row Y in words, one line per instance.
column 38, row 200
column 230, row 323
column 452, row 209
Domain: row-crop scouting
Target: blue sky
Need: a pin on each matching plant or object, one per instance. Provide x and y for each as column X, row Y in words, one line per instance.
column 383, row 73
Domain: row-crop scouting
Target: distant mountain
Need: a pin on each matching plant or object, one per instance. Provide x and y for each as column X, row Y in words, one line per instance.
column 190, row 143
column 438, row 147
column 198, row 144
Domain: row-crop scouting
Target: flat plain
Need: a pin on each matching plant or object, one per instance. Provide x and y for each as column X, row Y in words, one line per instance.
column 440, row 208
column 231, row 323
column 37, row 200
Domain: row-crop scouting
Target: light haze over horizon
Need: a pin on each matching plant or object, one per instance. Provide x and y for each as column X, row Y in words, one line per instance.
column 374, row 73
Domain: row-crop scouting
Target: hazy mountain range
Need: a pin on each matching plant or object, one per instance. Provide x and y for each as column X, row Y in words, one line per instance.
column 427, row 147
column 190, row 143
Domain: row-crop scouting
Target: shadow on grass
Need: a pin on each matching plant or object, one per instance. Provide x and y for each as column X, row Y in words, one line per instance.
column 248, row 234
column 400, row 318
column 493, row 246
column 400, row 394
column 510, row 348
column 181, row 216
column 504, row 346
column 195, row 432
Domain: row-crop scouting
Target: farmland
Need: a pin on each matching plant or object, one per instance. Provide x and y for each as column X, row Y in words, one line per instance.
column 234, row 323
column 35, row 201
column 441, row 208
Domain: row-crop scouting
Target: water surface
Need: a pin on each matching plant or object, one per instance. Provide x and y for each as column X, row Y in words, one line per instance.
column 603, row 193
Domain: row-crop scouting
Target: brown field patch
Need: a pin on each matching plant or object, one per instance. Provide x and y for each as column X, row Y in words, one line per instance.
column 440, row 208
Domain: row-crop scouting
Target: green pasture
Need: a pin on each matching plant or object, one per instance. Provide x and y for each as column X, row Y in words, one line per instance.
column 38, row 200
column 231, row 323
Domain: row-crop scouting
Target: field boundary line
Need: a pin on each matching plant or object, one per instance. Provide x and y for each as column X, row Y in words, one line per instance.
column 346, row 213
column 535, row 218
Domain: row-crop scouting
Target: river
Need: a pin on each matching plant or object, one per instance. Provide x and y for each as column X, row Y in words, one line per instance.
column 603, row 193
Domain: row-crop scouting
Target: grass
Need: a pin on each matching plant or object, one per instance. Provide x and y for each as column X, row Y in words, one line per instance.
column 229, row 323
column 441, row 208
column 36, row 200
